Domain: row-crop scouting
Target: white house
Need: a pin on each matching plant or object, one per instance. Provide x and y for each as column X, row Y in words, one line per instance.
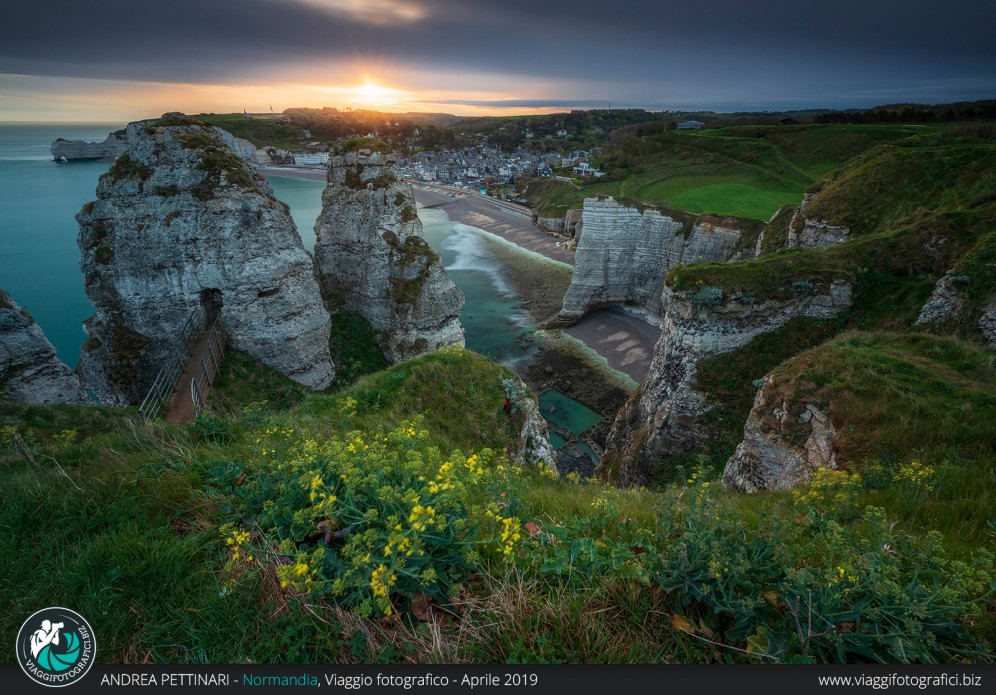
column 312, row 159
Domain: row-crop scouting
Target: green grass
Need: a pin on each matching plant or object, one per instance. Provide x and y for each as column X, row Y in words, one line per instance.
column 733, row 199
column 743, row 171
column 259, row 131
column 125, row 518
column 458, row 393
column 899, row 397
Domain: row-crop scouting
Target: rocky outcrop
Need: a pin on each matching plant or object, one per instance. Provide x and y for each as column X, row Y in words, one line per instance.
column 77, row 150
column 554, row 225
column 665, row 417
column 117, row 142
column 30, row 370
column 183, row 228
column 572, row 222
column 771, row 457
column 945, row 302
column 811, row 232
column 987, row 325
column 371, row 256
column 534, row 437
column 624, row 254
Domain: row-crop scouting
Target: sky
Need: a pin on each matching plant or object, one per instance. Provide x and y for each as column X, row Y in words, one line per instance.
column 116, row 60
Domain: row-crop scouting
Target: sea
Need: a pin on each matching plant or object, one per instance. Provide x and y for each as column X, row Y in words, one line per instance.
column 39, row 259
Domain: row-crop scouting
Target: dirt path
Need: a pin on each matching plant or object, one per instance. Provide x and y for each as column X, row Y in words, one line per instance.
column 181, row 406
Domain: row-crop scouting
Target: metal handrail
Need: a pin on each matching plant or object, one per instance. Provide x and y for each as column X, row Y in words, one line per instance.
column 208, row 365
column 165, row 382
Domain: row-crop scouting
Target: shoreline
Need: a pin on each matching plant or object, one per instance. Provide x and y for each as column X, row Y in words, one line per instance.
column 598, row 360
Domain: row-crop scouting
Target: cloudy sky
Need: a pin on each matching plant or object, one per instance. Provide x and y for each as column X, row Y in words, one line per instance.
column 127, row 59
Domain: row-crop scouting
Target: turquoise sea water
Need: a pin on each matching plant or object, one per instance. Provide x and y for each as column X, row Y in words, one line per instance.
column 39, row 261
column 564, row 411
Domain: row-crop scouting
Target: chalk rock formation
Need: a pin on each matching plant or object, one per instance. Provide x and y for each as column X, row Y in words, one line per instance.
column 534, row 437
column 30, row 371
column 370, row 253
column 664, row 418
column 768, row 458
column 809, row 232
column 624, row 254
column 945, row 302
column 76, row 150
column 183, row 228
column 117, row 142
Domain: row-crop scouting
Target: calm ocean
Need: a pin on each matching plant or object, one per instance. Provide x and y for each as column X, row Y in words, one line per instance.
column 39, row 259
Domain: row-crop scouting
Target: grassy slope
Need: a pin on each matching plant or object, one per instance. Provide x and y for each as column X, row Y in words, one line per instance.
column 938, row 187
column 896, row 397
column 259, row 131
column 742, row 171
column 131, row 532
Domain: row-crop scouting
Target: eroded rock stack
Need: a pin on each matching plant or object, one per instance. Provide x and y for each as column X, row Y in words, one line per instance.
column 80, row 150
column 30, row 370
column 372, row 258
column 183, row 228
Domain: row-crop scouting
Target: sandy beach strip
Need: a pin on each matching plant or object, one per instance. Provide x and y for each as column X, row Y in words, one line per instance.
column 309, row 173
column 622, row 337
column 478, row 211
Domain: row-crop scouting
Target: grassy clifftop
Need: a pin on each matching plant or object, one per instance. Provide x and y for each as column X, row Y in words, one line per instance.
column 324, row 532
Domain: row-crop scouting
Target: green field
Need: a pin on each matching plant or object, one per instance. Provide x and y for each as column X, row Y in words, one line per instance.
column 741, row 171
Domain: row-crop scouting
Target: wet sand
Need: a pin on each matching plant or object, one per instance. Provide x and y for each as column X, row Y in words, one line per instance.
column 492, row 216
column 622, row 337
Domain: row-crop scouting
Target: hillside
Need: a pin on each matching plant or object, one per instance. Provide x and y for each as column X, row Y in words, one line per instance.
column 741, row 171
column 919, row 212
column 333, row 528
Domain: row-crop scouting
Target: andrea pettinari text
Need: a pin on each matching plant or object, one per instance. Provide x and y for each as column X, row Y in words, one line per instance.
column 330, row 680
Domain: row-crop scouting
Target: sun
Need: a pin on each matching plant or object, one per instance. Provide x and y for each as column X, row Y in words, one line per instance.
column 374, row 94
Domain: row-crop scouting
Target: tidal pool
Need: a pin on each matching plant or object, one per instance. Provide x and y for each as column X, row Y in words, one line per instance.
column 567, row 413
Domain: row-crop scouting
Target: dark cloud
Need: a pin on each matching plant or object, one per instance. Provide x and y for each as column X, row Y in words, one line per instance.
column 647, row 52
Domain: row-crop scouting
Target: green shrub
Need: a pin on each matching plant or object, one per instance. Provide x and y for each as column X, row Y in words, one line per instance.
column 374, row 521
column 211, row 428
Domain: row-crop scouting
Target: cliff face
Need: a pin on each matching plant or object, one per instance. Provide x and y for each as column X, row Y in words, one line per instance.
column 75, row 150
column 30, row 371
column 809, row 231
column 624, row 254
column 370, row 254
column 182, row 227
column 664, row 418
column 771, row 456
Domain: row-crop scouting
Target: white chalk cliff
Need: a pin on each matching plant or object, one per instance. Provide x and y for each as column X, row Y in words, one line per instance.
column 625, row 252
column 665, row 417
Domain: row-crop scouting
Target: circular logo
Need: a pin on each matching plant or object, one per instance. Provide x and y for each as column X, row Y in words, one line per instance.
column 56, row 647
